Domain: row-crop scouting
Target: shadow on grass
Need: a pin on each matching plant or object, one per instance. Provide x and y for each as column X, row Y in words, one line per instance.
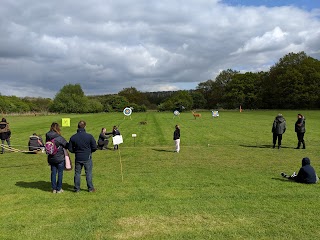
column 161, row 150
column 43, row 185
column 260, row 146
column 18, row 166
column 282, row 179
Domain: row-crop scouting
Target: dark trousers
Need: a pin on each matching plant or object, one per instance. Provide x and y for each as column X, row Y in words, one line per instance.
column 300, row 137
column 275, row 137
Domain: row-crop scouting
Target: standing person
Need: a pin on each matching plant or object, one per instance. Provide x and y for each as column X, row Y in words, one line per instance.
column 300, row 129
column 278, row 128
column 176, row 138
column 5, row 133
column 103, row 139
column 83, row 145
column 56, row 161
column 306, row 174
column 115, row 131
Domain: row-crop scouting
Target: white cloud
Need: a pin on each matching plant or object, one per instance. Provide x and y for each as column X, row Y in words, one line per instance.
column 268, row 41
column 164, row 45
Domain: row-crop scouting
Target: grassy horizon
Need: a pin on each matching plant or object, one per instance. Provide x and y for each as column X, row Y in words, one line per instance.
column 224, row 184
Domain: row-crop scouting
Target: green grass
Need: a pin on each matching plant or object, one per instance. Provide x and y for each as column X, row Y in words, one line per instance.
column 224, row 184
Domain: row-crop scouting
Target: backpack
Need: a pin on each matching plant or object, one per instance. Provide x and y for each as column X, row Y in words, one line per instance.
column 3, row 127
column 51, row 147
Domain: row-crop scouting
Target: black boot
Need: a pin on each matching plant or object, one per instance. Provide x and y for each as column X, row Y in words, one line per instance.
column 303, row 145
column 299, row 144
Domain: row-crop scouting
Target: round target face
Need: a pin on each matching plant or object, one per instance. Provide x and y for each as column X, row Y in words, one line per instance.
column 127, row 111
column 176, row 113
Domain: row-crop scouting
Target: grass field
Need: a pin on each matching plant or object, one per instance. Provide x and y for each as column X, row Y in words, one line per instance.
column 224, row 184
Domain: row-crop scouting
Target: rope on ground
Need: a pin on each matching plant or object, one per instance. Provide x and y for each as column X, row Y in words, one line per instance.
column 11, row 149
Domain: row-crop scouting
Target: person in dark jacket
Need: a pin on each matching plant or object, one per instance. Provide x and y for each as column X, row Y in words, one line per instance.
column 306, row 174
column 279, row 127
column 176, row 138
column 57, row 161
column 115, row 132
column 103, row 139
column 83, row 144
column 5, row 133
column 35, row 143
column 300, row 129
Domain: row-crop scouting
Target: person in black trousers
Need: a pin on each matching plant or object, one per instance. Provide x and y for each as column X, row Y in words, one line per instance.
column 300, row 129
column 278, row 128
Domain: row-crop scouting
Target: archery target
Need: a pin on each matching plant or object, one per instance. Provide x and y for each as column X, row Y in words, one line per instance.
column 127, row 111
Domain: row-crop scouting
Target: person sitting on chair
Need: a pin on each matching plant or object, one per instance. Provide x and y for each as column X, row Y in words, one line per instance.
column 35, row 143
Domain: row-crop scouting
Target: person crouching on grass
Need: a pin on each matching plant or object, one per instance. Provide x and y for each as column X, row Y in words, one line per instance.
column 306, row 174
column 176, row 138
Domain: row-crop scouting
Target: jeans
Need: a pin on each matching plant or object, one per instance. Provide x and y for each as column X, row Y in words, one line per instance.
column 87, row 164
column 8, row 142
column 57, row 169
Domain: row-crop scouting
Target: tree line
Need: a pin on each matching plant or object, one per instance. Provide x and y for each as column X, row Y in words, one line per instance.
column 293, row 82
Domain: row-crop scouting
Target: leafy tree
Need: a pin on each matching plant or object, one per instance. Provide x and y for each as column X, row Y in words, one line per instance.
column 199, row 100
column 209, row 90
column 225, row 77
column 242, row 90
column 94, row 106
column 113, row 102
column 178, row 99
column 134, row 96
column 38, row 104
column 214, row 91
column 70, row 99
column 293, row 82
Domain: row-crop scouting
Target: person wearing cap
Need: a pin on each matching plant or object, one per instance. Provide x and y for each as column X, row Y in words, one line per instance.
column 306, row 174
column 278, row 128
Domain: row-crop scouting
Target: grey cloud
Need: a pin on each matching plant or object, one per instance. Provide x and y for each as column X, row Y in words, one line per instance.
column 107, row 45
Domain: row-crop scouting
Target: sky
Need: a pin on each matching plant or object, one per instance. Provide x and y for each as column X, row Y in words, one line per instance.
column 106, row 45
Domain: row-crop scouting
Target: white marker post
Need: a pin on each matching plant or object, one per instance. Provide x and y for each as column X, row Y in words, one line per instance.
column 134, row 139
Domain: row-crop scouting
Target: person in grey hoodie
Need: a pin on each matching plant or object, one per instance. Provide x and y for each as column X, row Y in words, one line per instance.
column 279, row 127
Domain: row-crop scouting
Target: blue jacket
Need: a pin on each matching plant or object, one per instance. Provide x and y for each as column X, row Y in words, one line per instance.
column 61, row 143
column 82, row 144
